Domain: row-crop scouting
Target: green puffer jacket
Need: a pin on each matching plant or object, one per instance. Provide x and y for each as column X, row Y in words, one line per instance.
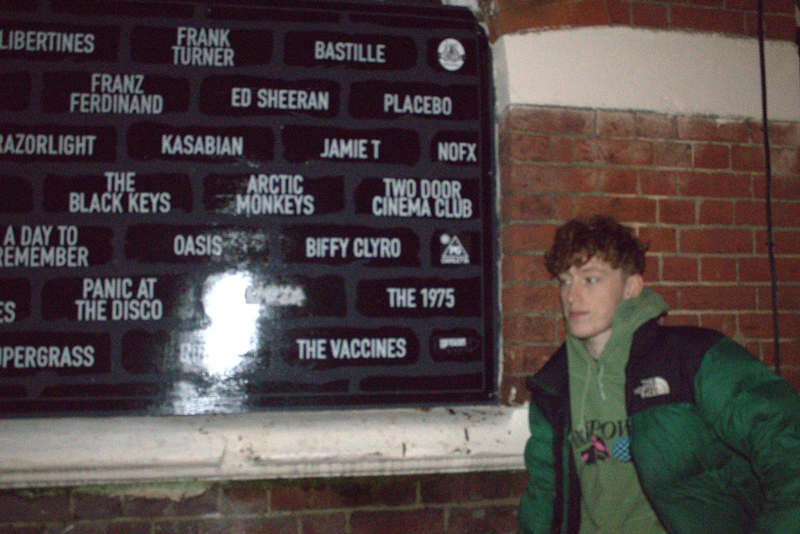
column 715, row 438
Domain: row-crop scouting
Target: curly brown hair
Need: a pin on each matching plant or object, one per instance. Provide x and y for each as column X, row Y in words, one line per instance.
column 581, row 239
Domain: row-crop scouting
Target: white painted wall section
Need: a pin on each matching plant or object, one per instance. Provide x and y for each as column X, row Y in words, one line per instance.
column 686, row 73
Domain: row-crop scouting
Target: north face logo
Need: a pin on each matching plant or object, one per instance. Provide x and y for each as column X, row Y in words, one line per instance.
column 652, row 387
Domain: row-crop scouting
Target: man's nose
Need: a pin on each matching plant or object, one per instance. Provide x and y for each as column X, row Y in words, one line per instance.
column 571, row 293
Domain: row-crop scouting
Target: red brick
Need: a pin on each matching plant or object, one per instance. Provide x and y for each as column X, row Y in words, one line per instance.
column 754, row 325
column 300, row 498
column 649, row 15
column 548, row 120
column 786, row 214
column 659, row 239
column 34, row 508
column 527, row 237
column 526, row 359
column 773, row 6
column 528, row 147
column 790, row 355
column 717, row 298
column 658, row 182
column 750, row 212
column 24, row 529
column 95, row 506
column 717, row 212
column 619, row 11
column 754, row 269
column 524, row 268
column 786, row 241
column 418, row 521
column 783, row 187
column 120, row 527
column 468, row 487
column 708, row 20
column 318, row 495
column 248, row 525
column 656, row 126
column 741, row 5
column 521, row 298
column 529, row 208
column 722, row 322
column 672, row 154
column 716, row 241
column 615, row 124
column 617, row 181
column 482, row 520
column 626, row 210
column 708, row 156
column 681, row 319
column 787, row 268
column 784, row 161
column 706, row 3
column 547, row 178
column 245, row 498
column 748, row 158
column 793, row 377
column 147, row 507
column 564, row 207
column 679, row 269
column 712, row 130
column 672, row 211
column 765, row 298
column 788, row 296
column 529, row 329
column 324, row 523
column 562, row 150
column 788, row 325
column 390, row 491
column 557, row 15
column 715, row 269
column 780, row 133
column 716, row 184
column 614, row 151
column 779, row 27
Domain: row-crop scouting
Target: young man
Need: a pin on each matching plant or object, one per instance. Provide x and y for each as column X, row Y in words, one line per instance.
column 638, row 428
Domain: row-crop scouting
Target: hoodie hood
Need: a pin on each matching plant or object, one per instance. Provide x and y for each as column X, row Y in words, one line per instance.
column 629, row 315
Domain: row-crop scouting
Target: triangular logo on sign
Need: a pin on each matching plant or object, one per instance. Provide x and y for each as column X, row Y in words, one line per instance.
column 455, row 253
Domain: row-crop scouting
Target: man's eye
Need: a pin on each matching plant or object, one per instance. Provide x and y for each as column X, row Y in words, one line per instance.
column 592, row 279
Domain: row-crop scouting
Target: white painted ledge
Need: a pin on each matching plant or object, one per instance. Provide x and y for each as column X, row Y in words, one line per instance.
column 672, row 72
column 80, row 451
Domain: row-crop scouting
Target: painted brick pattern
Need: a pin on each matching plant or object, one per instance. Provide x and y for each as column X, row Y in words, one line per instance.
column 735, row 17
column 693, row 187
column 442, row 504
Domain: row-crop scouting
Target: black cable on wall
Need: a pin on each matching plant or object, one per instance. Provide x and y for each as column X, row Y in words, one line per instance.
column 768, row 189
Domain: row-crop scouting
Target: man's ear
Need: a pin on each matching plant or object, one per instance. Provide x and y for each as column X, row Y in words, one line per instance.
column 634, row 284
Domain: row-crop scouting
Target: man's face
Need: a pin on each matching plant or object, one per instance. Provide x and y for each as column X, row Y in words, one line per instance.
column 589, row 295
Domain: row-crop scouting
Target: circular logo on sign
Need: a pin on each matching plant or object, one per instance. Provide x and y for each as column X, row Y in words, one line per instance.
column 451, row 54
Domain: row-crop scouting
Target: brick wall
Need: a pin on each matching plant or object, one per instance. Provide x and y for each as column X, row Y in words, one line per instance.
column 735, row 17
column 693, row 187
column 458, row 504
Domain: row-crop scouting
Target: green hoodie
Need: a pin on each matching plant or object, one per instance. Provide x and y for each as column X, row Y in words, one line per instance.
column 612, row 499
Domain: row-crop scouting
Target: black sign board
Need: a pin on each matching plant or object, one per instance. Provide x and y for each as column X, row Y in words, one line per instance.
column 231, row 207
